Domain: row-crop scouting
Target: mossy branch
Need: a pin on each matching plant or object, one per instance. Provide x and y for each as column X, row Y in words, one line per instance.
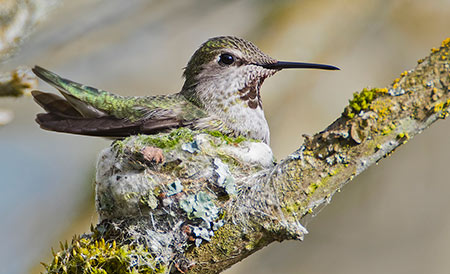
column 217, row 200
column 374, row 124
column 15, row 84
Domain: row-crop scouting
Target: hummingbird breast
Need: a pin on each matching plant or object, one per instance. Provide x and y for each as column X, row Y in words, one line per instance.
column 234, row 104
column 246, row 118
column 237, row 119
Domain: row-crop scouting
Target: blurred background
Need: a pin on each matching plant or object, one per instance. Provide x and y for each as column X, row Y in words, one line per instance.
column 393, row 218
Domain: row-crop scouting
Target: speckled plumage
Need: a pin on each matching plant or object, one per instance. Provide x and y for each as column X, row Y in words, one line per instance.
column 215, row 96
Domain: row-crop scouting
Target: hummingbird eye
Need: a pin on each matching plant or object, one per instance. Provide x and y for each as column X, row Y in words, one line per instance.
column 226, row 59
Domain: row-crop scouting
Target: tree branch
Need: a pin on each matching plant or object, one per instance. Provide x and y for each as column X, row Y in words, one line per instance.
column 218, row 199
column 15, row 84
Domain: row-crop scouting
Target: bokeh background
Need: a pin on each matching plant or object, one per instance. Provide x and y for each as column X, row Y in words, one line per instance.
column 394, row 218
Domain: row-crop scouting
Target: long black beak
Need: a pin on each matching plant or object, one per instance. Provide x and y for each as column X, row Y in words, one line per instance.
column 297, row 65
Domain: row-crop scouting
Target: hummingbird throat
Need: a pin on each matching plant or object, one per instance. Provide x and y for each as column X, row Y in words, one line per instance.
column 251, row 94
column 239, row 105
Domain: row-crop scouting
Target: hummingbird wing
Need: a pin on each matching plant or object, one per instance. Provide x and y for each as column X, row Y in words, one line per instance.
column 89, row 111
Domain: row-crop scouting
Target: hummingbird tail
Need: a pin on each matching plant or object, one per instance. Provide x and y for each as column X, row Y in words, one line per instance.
column 102, row 127
column 62, row 116
column 83, row 98
column 89, row 111
column 53, row 103
column 65, row 86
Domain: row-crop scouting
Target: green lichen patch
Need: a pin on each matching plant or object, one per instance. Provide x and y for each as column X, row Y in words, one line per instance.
column 185, row 135
column 165, row 141
column 168, row 141
column 361, row 101
column 229, row 139
column 181, row 137
column 97, row 256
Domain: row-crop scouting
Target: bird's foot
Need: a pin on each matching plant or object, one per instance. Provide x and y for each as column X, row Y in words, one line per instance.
column 153, row 154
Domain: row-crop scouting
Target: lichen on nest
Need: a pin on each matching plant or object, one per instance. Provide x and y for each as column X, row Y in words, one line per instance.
column 180, row 203
column 160, row 210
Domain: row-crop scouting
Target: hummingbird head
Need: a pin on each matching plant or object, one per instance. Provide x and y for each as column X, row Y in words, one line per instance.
column 228, row 68
column 224, row 77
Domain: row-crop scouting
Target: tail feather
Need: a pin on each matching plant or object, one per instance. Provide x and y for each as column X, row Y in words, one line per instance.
column 47, row 76
column 64, row 85
column 107, row 126
column 78, row 111
column 55, row 104
column 61, row 116
column 81, row 97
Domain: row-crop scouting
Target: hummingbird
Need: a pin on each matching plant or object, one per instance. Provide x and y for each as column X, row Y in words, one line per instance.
column 221, row 92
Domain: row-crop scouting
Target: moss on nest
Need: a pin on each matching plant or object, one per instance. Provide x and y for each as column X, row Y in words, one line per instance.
column 229, row 139
column 87, row 254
